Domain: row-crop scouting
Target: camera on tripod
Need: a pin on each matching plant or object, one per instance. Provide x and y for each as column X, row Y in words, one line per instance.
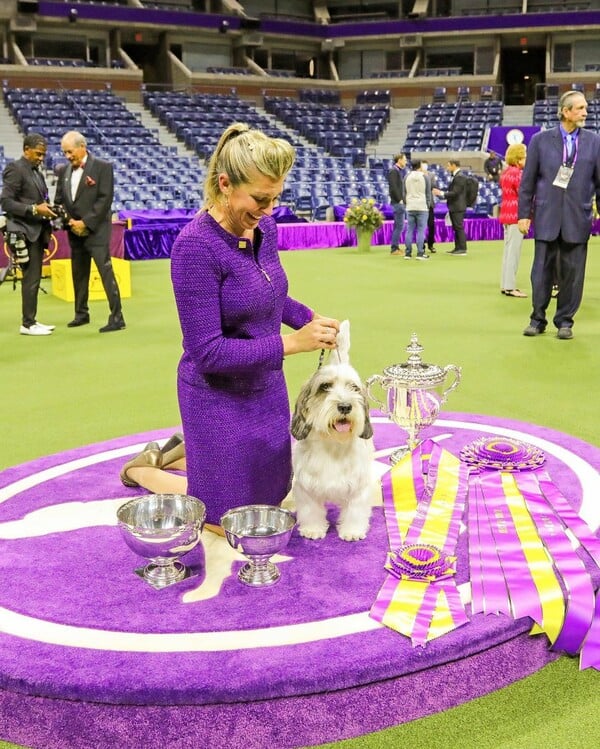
column 9, row 270
column 17, row 244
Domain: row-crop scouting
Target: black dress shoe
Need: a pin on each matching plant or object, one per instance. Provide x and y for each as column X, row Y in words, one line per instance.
column 78, row 321
column 112, row 326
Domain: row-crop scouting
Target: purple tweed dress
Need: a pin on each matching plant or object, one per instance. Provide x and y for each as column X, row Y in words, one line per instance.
column 231, row 296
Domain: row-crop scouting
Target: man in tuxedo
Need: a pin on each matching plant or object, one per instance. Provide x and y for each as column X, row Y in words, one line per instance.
column 85, row 191
column 456, row 198
column 24, row 199
column 561, row 175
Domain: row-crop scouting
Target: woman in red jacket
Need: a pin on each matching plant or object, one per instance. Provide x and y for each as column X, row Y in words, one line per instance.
column 510, row 179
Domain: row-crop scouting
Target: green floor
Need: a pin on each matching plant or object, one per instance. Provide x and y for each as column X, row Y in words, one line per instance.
column 77, row 387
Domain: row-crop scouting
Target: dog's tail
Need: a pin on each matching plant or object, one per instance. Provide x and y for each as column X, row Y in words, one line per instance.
column 341, row 355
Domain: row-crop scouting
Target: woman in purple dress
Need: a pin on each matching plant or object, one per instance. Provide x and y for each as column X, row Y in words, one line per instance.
column 232, row 298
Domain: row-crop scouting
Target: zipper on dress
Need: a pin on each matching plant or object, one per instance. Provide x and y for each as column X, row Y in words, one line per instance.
column 264, row 272
column 243, row 245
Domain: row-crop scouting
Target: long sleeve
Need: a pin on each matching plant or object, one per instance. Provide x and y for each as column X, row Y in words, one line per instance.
column 102, row 174
column 396, row 186
column 509, row 182
column 296, row 314
column 527, row 186
column 12, row 199
column 230, row 304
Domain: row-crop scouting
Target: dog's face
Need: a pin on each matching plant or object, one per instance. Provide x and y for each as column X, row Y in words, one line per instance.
column 334, row 403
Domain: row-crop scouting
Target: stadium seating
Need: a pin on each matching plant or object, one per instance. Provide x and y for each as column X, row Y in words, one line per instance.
column 332, row 170
column 452, row 126
column 544, row 113
column 98, row 114
column 331, row 126
column 111, row 131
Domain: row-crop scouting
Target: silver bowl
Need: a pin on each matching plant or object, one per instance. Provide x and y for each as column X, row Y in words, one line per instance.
column 161, row 528
column 259, row 532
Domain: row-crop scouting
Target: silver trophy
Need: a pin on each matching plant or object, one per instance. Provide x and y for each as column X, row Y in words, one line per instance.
column 259, row 532
column 415, row 392
column 161, row 528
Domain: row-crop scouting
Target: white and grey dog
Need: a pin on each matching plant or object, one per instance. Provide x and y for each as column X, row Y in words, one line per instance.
column 333, row 455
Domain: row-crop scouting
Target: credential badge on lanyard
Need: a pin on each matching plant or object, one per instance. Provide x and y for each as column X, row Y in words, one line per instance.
column 565, row 171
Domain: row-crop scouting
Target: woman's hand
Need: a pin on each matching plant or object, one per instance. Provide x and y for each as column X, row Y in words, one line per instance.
column 319, row 333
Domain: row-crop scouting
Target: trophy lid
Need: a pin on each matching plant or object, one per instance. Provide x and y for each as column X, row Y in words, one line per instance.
column 414, row 372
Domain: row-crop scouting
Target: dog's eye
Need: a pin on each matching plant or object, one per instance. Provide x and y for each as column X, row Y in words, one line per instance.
column 355, row 387
column 324, row 387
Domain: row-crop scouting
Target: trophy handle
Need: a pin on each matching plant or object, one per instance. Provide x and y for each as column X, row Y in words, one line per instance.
column 457, row 372
column 368, row 386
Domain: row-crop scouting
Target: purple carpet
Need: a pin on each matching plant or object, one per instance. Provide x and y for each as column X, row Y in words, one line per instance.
column 90, row 655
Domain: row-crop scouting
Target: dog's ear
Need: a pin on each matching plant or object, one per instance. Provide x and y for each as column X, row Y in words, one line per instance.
column 300, row 427
column 341, row 354
column 367, row 431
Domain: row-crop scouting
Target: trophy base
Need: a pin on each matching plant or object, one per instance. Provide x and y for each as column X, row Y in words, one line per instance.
column 399, row 453
column 259, row 575
column 161, row 576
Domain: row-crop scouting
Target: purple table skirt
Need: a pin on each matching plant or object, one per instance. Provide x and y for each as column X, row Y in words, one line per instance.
column 155, row 240
column 150, row 234
column 337, row 234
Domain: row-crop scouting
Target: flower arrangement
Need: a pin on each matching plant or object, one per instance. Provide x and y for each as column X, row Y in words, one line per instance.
column 363, row 214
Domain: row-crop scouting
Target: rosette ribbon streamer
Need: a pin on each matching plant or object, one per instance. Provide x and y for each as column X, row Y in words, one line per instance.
column 522, row 561
column 532, row 585
column 424, row 498
column 590, row 652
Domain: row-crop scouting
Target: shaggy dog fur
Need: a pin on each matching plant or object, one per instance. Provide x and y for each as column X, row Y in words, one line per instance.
column 333, row 455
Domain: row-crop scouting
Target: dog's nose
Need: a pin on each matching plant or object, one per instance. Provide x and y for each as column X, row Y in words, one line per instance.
column 344, row 408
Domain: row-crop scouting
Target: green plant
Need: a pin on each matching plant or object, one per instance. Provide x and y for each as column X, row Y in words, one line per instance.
column 363, row 214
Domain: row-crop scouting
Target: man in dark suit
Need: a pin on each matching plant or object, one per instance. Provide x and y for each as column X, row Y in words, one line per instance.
column 456, row 198
column 435, row 192
column 561, row 175
column 398, row 200
column 85, row 190
column 24, row 199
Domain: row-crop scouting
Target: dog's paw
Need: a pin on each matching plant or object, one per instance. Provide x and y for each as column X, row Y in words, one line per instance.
column 313, row 532
column 346, row 533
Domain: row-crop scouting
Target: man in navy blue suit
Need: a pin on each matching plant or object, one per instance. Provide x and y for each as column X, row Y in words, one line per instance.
column 561, row 174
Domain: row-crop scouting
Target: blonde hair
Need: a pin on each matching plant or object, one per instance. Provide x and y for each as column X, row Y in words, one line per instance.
column 515, row 153
column 242, row 151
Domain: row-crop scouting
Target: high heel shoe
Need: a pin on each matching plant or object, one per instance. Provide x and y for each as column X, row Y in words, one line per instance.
column 173, row 441
column 174, row 454
column 152, row 458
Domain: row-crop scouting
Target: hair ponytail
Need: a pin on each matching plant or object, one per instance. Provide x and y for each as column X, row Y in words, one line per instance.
column 242, row 151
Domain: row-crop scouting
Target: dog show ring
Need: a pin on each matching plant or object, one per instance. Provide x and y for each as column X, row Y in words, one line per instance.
column 92, row 656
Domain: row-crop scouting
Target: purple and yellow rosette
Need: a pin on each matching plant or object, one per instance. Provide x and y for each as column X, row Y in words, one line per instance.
column 423, row 562
column 502, row 454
